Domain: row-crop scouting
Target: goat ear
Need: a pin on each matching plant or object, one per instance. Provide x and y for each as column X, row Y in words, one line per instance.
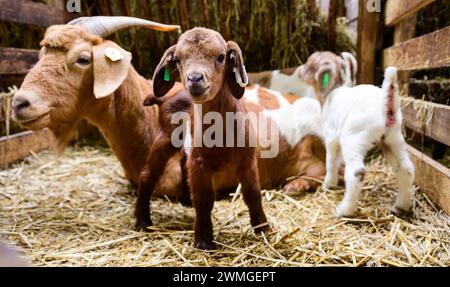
column 326, row 78
column 236, row 74
column 111, row 65
column 164, row 78
column 351, row 68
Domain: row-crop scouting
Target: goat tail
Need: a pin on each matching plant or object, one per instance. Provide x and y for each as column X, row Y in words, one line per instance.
column 392, row 95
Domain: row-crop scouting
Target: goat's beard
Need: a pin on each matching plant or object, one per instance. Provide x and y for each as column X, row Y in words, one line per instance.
column 63, row 136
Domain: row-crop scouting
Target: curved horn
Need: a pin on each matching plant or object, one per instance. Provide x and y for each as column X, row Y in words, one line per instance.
column 105, row 26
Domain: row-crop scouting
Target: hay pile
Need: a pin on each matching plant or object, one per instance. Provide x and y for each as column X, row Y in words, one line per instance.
column 77, row 210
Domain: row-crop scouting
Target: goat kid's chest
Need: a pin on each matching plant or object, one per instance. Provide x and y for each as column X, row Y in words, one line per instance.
column 218, row 160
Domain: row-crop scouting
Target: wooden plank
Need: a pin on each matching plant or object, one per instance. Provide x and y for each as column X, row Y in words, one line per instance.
column 427, row 118
column 433, row 178
column 17, row 61
column 33, row 13
column 19, row 146
column 405, row 30
column 368, row 32
column 396, row 10
column 427, row 52
column 10, row 80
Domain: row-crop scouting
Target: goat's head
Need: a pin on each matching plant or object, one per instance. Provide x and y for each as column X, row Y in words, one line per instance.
column 76, row 67
column 325, row 71
column 205, row 62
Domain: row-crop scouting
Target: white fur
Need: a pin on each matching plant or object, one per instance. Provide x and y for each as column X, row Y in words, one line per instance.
column 290, row 84
column 353, row 119
column 294, row 121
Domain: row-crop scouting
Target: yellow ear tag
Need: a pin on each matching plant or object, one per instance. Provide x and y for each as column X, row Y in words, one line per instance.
column 113, row 54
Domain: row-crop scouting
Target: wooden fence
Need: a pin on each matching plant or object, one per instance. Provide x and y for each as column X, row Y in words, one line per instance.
column 430, row 51
column 14, row 64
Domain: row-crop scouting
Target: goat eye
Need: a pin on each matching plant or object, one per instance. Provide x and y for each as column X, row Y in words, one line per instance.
column 84, row 60
column 221, row 58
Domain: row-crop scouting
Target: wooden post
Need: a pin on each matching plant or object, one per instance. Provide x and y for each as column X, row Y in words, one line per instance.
column 331, row 27
column 368, row 31
column 404, row 31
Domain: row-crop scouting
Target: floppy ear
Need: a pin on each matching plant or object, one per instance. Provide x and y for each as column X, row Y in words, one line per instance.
column 164, row 78
column 236, row 74
column 327, row 78
column 351, row 68
column 111, row 65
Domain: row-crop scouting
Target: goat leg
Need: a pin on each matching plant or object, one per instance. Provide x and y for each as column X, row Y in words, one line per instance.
column 251, row 191
column 160, row 154
column 185, row 197
column 203, row 198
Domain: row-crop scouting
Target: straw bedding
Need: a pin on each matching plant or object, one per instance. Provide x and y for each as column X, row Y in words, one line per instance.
column 77, row 210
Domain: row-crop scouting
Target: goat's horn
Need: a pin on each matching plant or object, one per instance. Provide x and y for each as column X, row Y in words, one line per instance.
column 105, row 26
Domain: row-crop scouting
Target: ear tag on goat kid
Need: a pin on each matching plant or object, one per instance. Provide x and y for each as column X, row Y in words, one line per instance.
column 166, row 75
column 113, row 54
column 326, row 80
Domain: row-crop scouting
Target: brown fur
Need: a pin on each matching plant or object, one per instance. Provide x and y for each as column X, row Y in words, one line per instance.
column 197, row 52
column 291, row 98
column 63, row 91
column 268, row 100
column 288, row 71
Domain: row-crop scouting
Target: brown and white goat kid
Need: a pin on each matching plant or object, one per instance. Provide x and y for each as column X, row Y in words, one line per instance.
column 293, row 118
column 81, row 75
column 353, row 120
column 289, row 81
column 213, row 73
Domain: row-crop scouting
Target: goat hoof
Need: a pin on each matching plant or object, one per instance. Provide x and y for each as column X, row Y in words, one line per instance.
column 143, row 224
column 185, row 201
column 344, row 211
column 263, row 229
column 400, row 212
column 204, row 245
column 298, row 186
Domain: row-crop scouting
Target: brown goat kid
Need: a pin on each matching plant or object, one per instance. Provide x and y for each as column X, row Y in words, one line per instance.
column 207, row 68
column 80, row 75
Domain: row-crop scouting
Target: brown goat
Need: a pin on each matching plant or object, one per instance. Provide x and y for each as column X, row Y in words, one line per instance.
column 80, row 75
column 207, row 68
column 300, row 155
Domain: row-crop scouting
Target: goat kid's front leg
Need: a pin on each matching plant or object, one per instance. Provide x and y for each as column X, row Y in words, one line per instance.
column 251, row 191
column 160, row 153
column 203, row 198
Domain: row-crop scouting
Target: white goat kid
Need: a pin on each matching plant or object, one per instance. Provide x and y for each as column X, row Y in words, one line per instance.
column 353, row 121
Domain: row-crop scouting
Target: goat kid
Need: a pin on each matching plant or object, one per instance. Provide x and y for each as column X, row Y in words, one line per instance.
column 289, row 81
column 353, row 120
column 294, row 118
column 213, row 73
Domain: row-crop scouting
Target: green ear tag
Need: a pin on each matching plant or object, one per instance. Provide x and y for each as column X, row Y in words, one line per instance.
column 326, row 80
column 167, row 75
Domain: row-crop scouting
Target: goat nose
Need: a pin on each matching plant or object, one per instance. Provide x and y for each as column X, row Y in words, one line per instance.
column 195, row 78
column 20, row 103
